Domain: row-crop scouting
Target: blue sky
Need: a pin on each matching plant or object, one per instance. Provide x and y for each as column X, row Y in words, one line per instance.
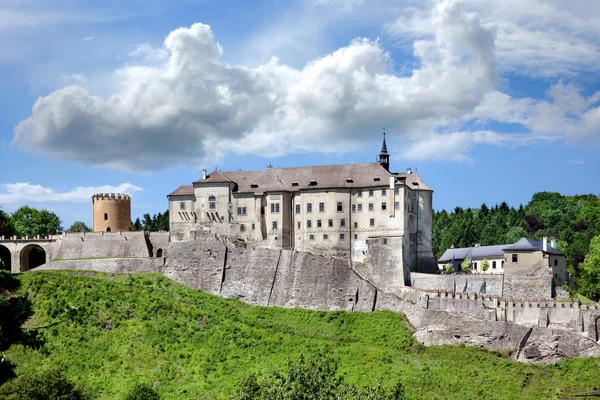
column 491, row 101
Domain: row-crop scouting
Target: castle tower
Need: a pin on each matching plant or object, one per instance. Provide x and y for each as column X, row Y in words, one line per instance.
column 384, row 157
column 111, row 212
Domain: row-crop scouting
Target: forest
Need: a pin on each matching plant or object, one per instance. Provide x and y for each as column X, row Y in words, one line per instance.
column 573, row 220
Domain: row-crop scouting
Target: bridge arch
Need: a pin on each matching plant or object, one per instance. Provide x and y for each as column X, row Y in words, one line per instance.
column 31, row 256
column 5, row 258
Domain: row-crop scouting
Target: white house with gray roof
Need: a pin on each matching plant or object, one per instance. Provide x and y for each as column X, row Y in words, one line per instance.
column 334, row 209
column 525, row 258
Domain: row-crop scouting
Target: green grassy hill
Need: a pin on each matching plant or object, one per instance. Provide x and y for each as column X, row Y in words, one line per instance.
column 146, row 328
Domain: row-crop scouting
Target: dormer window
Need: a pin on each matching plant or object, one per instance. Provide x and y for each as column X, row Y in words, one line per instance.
column 294, row 183
column 254, row 186
column 376, row 179
column 349, row 180
column 313, row 182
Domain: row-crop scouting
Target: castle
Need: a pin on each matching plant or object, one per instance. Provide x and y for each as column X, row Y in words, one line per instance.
column 337, row 210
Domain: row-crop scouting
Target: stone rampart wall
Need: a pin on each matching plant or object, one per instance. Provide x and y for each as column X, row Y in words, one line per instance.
column 103, row 244
column 482, row 284
column 532, row 312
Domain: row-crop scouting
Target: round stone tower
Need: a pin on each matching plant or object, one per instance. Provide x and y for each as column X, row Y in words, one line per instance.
column 112, row 212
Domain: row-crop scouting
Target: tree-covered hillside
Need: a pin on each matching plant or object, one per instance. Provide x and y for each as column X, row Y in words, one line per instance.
column 573, row 220
column 146, row 329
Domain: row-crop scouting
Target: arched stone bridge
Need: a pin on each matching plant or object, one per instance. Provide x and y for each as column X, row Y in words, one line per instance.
column 22, row 254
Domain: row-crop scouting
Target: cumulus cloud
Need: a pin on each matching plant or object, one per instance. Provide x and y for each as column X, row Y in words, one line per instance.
column 193, row 107
column 540, row 38
column 26, row 192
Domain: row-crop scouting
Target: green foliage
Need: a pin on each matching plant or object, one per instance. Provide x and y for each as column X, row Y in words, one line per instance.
column 79, row 226
column 29, row 221
column 589, row 282
column 142, row 392
column 515, row 234
column 465, row 266
column 48, row 385
column 317, row 379
column 146, row 328
column 448, row 268
column 157, row 222
column 485, row 265
column 6, row 227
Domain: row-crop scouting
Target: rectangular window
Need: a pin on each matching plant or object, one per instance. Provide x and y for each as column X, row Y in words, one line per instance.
column 308, row 207
column 502, row 265
column 243, row 210
column 515, row 258
column 353, row 207
column 372, row 222
column 371, row 207
column 475, row 265
column 274, row 207
column 318, row 223
column 342, row 222
column 355, row 225
column 355, row 236
column 359, row 207
column 330, row 223
column 321, row 207
column 359, row 193
column 384, row 205
column 297, row 208
column 253, row 226
column 493, row 264
column 556, row 262
column 182, row 206
column 340, row 206
column 299, row 225
column 212, row 205
column 312, row 237
column 274, row 225
column 342, row 236
column 371, row 192
column 239, row 210
column 309, row 223
column 242, row 227
column 397, row 191
column 383, row 192
column 384, row 241
column 396, row 205
column 325, row 236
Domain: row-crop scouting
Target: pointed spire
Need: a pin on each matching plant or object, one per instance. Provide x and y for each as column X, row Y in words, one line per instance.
column 384, row 157
column 384, row 144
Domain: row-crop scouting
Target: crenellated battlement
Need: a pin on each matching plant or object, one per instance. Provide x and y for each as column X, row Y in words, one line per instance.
column 111, row 196
column 576, row 315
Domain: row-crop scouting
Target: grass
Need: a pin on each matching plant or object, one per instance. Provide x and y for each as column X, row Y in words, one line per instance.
column 147, row 328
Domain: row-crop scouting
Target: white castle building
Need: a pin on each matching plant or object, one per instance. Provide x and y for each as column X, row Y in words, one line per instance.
column 333, row 209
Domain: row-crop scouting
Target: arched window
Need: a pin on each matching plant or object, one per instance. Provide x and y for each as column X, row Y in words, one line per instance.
column 106, row 216
column 108, row 229
column 159, row 253
column 212, row 201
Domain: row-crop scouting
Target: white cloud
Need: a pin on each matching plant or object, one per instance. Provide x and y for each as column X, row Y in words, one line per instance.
column 194, row 107
column 88, row 38
column 575, row 162
column 534, row 37
column 25, row 192
column 150, row 54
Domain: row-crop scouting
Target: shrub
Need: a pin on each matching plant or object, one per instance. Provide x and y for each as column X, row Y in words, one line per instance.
column 48, row 385
column 142, row 392
column 485, row 265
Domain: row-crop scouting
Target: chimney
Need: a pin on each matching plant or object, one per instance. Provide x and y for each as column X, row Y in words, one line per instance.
column 545, row 244
column 553, row 244
column 204, row 173
column 392, row 182
column 408, row 171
